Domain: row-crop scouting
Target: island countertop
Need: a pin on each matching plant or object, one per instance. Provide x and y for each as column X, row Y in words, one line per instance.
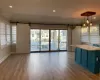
column 87, row 47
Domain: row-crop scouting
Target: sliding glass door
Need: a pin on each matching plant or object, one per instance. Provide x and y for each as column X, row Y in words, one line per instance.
column 54, row 40
column 35, row 40
column 48, row 40
column 44, row 40
column 39, row 40
column 63, row 40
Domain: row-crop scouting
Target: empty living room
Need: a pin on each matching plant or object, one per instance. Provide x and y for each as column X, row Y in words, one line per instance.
column 49, row 40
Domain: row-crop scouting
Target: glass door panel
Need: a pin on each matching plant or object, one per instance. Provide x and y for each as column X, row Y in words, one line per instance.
column 44, row 40
column 35, row 40
column 54, row 40
column 63, row 40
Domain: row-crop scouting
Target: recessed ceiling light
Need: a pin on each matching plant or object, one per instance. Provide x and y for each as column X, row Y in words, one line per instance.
column 54, row 10
column 94, row 17
column 10, row 6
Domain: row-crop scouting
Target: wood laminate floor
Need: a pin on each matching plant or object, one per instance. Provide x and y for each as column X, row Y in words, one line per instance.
column 44, row 66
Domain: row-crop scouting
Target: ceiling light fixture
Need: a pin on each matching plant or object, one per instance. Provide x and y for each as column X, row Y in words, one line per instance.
column 88, row 18
column 91, row 24
column 94, row 17
column 10, row 6
column 87, row 21
column 54, row 10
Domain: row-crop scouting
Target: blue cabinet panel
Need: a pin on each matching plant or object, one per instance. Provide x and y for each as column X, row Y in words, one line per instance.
column 93, row 61
column 88, row 59
column 84, row 58
column 78, row 55
column 96, row 45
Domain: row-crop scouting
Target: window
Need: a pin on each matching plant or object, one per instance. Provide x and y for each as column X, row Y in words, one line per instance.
column 3, row 34
column 8, row 34
column 84, row 35
column 13, row 34
column 90, row 36
column 32, row 35
column 94, row 34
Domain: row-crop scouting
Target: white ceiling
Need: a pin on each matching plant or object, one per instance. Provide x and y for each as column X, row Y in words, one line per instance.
column 41, row 11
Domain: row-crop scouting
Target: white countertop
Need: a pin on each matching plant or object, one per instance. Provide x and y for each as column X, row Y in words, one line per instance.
column 87, row 47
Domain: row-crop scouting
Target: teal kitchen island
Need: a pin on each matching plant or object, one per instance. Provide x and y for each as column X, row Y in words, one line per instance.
column 88, row 57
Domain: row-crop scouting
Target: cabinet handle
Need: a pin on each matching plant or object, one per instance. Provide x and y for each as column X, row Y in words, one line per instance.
column 97, row 59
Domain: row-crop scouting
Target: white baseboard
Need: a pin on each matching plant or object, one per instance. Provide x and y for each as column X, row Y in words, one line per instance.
column 18, row 53
column 5, row 57
column 13, row 52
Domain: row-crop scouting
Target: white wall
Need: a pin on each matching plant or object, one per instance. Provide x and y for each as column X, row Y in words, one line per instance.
column 13, row 37
column 69, row 36
column 23, row 38
column 76, row 36
column 5, row 41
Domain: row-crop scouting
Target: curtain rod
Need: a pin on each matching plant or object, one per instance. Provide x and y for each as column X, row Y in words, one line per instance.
column 48, row 24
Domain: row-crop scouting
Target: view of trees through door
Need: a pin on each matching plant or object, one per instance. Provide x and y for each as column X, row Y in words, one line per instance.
column 48, row 40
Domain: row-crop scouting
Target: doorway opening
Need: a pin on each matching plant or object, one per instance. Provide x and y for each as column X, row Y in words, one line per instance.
column 42, row 40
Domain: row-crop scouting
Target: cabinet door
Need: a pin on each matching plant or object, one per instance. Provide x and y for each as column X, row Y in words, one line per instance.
column 78, row 55
column 84, row 58
column 93, row 64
